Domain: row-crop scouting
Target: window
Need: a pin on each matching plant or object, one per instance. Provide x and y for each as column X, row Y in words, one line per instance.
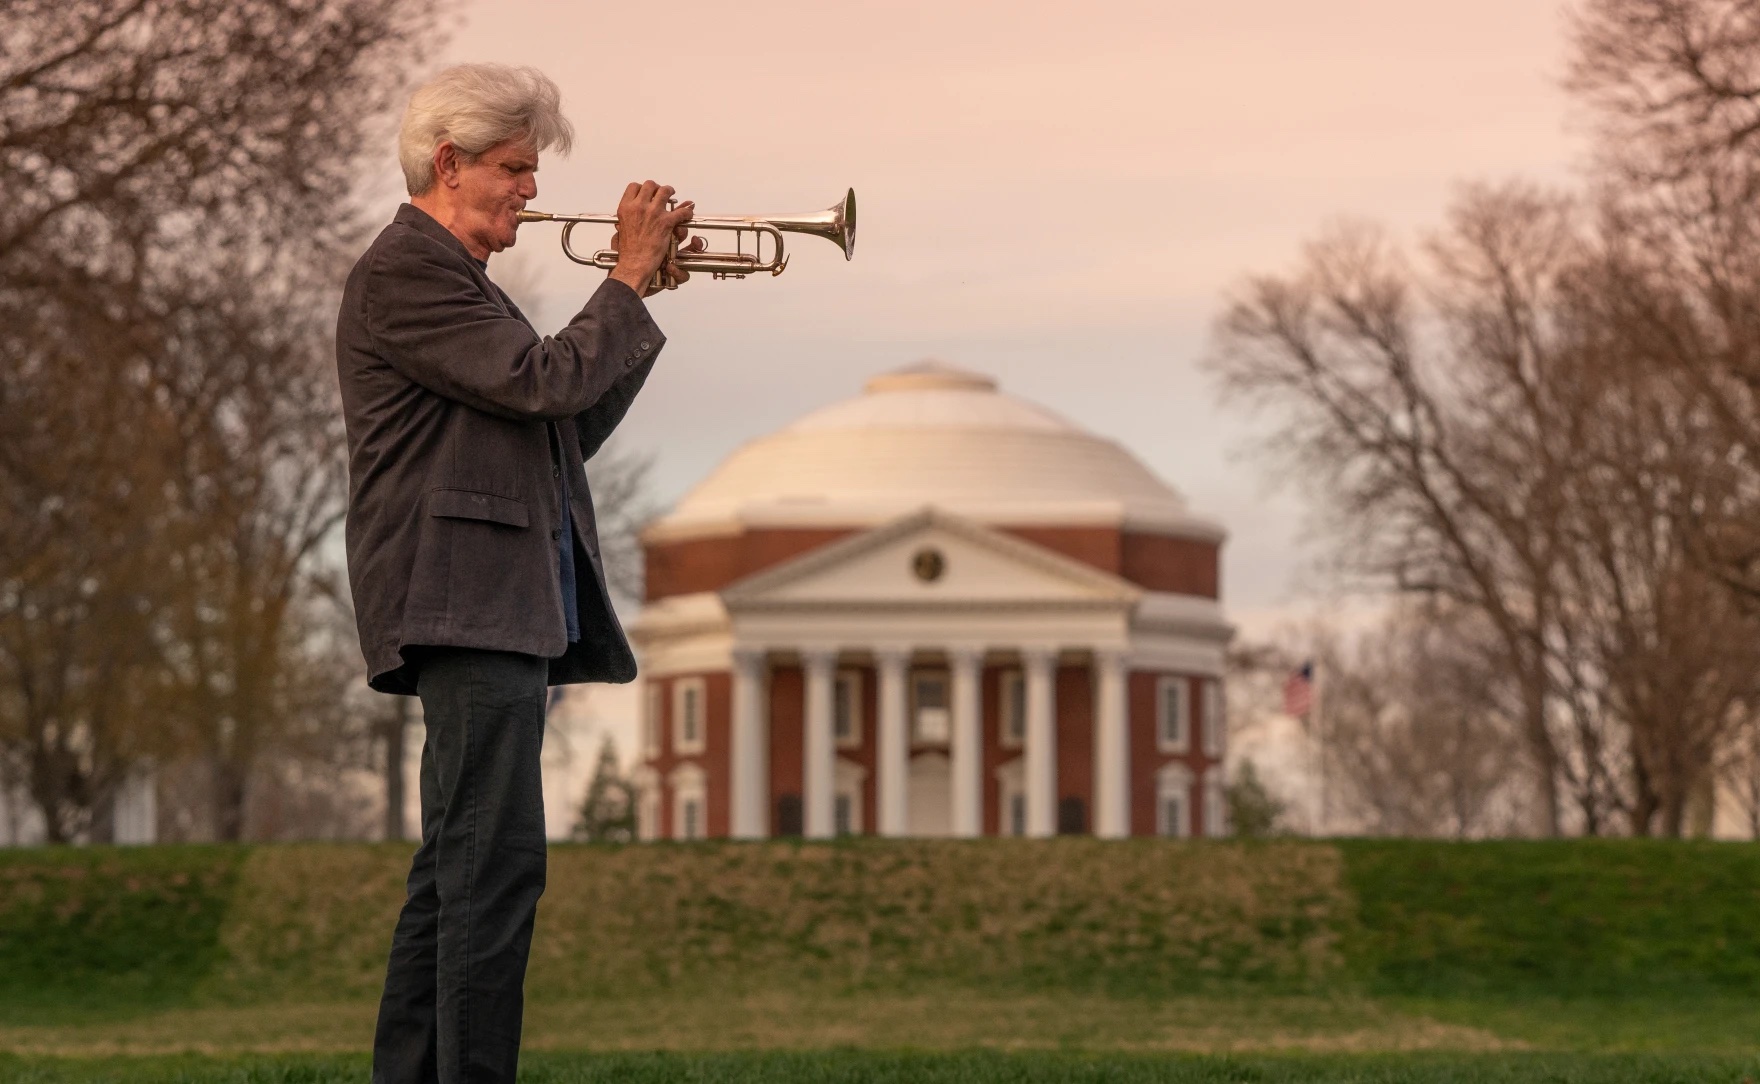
column 689, row 807
column 788, row 815
column 1072, row 816
column 846, row 709
column 1215, row 723
column 687, row 716
column 848, row 780
column 930, row 724
column 1014, row 709
column 1173, row 815
column 1173, row 793
column 1171, row 714
column 647, row 803
column 651, row 721
column 1011, row 798
column 1215, row 807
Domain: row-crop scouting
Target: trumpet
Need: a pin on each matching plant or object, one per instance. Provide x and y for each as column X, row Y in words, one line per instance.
column 836, row 223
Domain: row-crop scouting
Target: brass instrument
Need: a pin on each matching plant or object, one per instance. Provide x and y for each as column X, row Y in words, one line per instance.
column 836, row 223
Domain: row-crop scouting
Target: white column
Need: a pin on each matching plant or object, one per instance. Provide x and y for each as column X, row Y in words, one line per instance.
column 751, row 747
column 894, row 744
column 1112, row 751
column 1041, row 756
column 968, row 745
column 819, row 780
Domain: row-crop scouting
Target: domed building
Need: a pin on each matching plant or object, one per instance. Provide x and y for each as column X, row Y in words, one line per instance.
column 934, row 609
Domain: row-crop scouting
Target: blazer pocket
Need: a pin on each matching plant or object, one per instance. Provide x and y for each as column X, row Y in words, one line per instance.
column 470, row 504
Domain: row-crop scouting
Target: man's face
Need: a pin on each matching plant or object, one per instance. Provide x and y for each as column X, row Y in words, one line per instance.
column 493, row 189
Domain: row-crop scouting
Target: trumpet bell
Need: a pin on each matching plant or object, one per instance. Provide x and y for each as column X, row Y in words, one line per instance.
column 836, row 223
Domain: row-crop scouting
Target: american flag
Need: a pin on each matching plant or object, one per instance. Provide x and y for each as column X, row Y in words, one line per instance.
column 1298, row 691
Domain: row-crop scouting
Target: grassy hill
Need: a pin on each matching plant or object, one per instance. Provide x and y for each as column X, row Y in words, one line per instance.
column 105, row 929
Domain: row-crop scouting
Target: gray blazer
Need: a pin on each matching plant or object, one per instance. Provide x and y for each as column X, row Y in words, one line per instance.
column 452, row 402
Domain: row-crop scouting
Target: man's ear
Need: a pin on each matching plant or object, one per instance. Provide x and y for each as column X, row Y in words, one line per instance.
column 446, row 163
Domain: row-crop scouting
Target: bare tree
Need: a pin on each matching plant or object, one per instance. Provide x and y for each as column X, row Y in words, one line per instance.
column 171, row 236
column 1421, row 405
column 1673, row 87
column 1671, row 651
column 80, row 562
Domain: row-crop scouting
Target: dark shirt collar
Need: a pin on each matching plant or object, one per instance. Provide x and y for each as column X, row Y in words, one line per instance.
column 410, row 215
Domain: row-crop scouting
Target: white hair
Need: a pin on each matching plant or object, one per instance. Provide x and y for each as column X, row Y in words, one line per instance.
column 477, row 106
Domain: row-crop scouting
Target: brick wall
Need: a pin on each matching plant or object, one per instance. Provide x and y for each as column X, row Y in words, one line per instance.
column 1147, row 759
column 1158, row 562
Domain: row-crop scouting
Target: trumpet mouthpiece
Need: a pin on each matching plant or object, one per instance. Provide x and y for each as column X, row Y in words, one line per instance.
column 534, row 216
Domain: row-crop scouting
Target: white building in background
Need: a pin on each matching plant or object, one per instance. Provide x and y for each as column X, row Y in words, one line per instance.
column 933, row 609
column 136, row 813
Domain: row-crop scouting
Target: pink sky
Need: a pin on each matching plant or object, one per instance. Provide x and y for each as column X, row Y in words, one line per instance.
column 1058, row 194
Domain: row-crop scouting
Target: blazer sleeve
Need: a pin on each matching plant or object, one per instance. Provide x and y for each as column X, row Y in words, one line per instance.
column 432, row 322
column 595, row 424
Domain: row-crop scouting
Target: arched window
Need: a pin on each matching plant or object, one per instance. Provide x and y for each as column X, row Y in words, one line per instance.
column 690, row 807
column 1173, row 801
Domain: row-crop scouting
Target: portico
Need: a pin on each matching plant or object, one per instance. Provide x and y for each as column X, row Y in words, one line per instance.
column 906, row 731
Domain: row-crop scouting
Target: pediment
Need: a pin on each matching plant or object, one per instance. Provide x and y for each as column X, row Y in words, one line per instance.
column 930, row 558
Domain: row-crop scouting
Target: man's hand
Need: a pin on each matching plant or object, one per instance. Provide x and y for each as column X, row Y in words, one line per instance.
column 646, row 231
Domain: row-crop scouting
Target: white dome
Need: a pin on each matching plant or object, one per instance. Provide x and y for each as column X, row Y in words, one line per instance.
column 931, row 435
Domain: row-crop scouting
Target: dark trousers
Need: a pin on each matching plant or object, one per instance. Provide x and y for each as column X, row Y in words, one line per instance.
column 454, row 989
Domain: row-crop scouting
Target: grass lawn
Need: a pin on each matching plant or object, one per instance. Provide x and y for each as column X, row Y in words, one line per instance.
column 1065, row 960
column 951, row 1035
column 863, row 1067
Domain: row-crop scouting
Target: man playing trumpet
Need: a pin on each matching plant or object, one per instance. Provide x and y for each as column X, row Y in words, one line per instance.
column 472, row 551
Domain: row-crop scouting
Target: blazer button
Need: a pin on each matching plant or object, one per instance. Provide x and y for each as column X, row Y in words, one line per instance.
column 556, row 535
column 645, row 344
column 555, row 471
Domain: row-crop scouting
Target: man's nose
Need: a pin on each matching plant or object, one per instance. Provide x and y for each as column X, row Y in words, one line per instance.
column 528, row 188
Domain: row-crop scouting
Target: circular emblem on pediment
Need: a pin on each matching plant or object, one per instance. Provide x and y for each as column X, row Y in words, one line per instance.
column 928, row 564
